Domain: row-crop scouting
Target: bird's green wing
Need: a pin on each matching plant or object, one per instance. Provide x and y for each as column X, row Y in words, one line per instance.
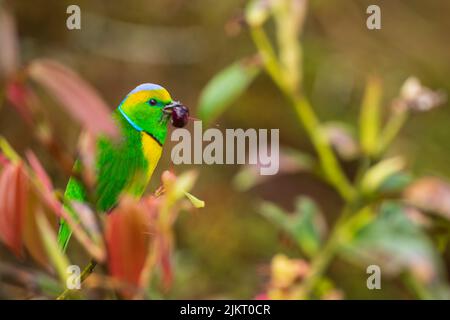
column 120, row 167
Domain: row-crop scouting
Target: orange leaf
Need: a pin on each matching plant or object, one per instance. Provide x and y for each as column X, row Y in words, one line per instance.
column 127, row 234
column 18, row 206
column 31, row 234
column 13, row 198
column 78, row 98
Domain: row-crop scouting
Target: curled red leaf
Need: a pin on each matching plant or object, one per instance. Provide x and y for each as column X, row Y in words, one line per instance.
column 78, row 98
column 127, row 234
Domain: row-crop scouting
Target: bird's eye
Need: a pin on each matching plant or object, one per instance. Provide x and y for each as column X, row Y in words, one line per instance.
column 153, row 102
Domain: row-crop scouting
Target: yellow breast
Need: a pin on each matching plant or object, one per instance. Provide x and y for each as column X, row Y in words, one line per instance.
column 152, row 152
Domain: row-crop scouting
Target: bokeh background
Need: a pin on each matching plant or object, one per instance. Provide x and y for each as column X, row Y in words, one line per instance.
column 224, row 250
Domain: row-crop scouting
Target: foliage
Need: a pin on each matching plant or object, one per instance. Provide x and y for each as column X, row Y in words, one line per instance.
column 388, row 215
column 134, row 242
column 383, row 203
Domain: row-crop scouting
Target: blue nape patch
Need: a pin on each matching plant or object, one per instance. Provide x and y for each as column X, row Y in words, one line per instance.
column 134, row 125
column 146, row 87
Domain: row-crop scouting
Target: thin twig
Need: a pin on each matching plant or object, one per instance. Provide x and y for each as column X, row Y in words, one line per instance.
column 86, row 272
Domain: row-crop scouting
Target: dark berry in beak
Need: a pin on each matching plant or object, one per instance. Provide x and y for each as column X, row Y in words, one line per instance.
column 179, row 116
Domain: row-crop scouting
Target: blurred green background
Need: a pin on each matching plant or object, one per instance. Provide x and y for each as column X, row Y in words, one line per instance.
column 223, row 251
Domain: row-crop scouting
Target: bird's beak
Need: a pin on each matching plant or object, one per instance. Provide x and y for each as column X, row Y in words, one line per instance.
column 169, row 108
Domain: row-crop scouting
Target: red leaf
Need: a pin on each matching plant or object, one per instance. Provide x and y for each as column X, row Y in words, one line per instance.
column 87, row 146
column 430, row 194
column 13, row 199
column 31, row 234
column 39, row 170
column 165, row 242
column 48, row 198
column 127, row 236
column 20, row 97
column 262, row 296
column 3, row 160
column 78, row 98
column 9, row 53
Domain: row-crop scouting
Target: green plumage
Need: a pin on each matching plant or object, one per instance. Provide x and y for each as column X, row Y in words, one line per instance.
column 121, row 165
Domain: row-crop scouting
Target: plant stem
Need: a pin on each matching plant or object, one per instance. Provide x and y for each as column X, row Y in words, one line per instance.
column 329, row 163
column 306, row 115
column 269, row 58
column 392, row 128
column 323, row 258
column 84, row 274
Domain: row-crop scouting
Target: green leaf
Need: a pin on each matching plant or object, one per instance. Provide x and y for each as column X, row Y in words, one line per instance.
column 395, row 183
column 247, row 178
column 393, row 242
column 224, row 88
column 370, row 117
column 8, row 151
column 58, row 259
column 275, row 214
column 183, row 184
column 304, row 225
column 196, row 202
column 380, row 172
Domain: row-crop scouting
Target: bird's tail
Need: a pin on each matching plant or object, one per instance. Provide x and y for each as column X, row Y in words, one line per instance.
column 74, row 191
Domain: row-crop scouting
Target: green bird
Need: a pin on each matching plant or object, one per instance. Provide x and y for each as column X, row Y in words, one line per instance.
column 125, row 165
